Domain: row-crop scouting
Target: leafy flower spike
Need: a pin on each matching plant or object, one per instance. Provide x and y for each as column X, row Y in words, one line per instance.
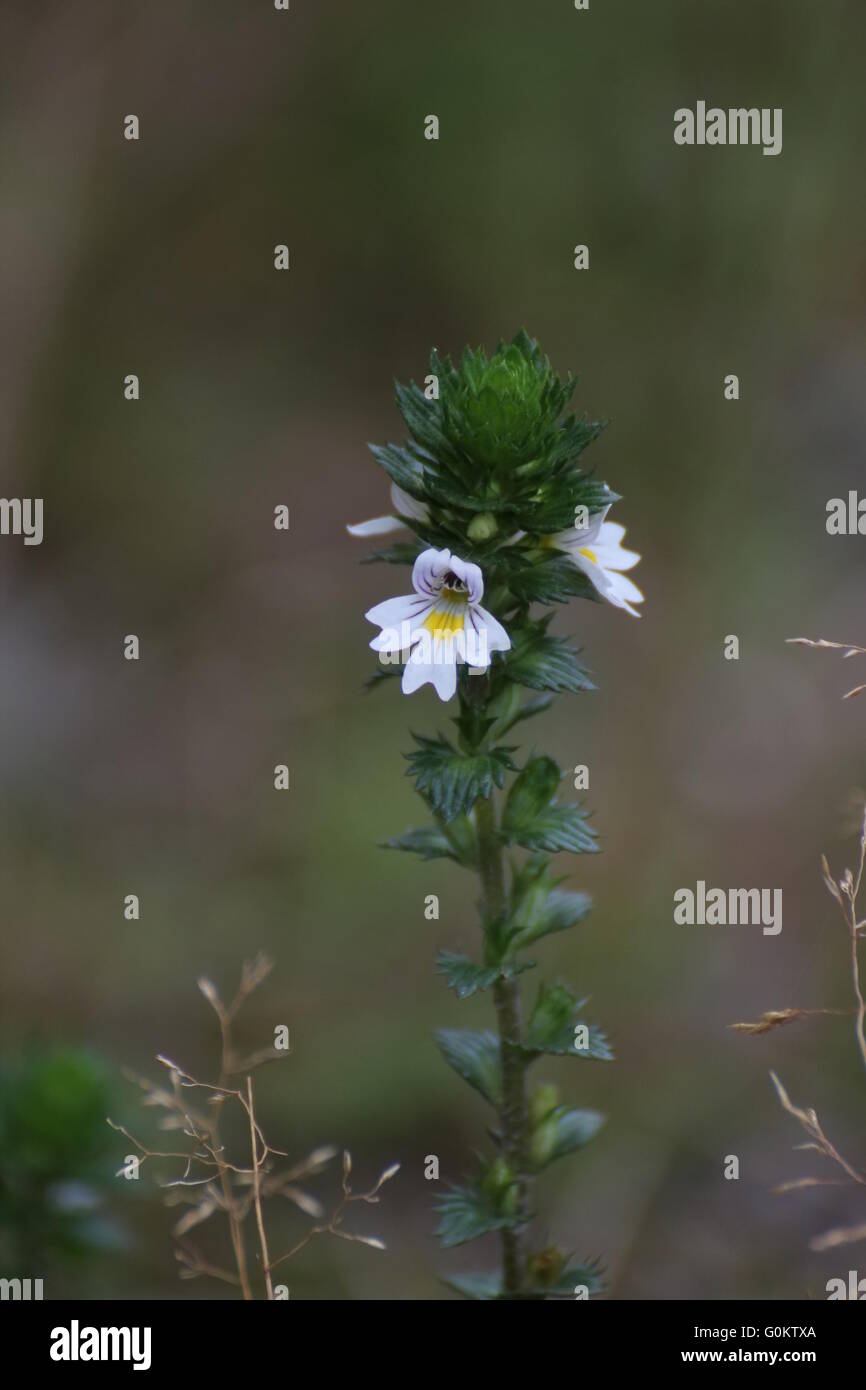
column 441, row 624
column 496, row 504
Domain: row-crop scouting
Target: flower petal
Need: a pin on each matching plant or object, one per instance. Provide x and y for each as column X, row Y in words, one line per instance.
column 575, row 537
column 490, row 634
column 471, row 576
column 399, row 619
column 622, row 592
column 610, row 551
column 429, row 570
column 426, row 666
column 406, row 505
column 376, row 526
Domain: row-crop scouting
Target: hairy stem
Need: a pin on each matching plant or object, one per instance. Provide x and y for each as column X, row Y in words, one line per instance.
column 506, row 996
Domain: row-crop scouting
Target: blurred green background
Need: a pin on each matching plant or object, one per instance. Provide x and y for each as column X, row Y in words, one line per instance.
column 260, row 388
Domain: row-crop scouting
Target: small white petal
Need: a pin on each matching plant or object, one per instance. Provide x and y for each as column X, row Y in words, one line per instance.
column 377, row 526
column 497, row 638
column 576, row 537
column 405, row 505
column 471, row 576
column 623, row 593
column 610, row 551
column 429, row 571
column 398, row 618
column 445, row 672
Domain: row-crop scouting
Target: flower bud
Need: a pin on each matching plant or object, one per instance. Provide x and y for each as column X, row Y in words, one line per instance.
column 542, row 1102
column 542, row 1141
column 482, row 527
column 498, row 1177
column 544, row 1266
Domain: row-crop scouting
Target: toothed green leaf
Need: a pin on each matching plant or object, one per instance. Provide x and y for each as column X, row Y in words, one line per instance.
column 466, row 978
column 455, row 840
column 529, row 818
column 469, row 1212
column 552, row 1027
column 453, row 781
column 483, row 1287
column 475, row 1057
column 543, row 662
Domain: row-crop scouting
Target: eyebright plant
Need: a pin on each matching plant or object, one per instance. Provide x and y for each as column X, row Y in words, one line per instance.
column 504, row 521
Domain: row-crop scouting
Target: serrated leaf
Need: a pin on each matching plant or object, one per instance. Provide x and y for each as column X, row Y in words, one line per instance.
column 588, row 1275
column 551, row 579
column 531, row 791
column 402, row 468
column 484, row 1286
column 467, row 1213
column 543, row 662
column 529, row 818
column 403, row 553
column 538, row 907
column 466, row 978
column 558, row 828
column 427, row 840
column 475, row 1057
column 455, row 840
column 552, row 1026
column 453, row 781
column 574, row 1128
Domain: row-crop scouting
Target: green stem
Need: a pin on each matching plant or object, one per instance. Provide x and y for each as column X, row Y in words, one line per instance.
column 506, row 996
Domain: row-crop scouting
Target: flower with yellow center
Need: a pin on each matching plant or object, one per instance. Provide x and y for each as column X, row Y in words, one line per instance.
column 440, row 625
column 597, row 550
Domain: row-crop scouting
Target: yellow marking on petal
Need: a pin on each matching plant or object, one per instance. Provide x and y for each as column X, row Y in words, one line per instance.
column 448, row 619
column 590, row 554
column 443, row 624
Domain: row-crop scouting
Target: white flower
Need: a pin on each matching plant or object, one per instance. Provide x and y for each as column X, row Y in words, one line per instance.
column 597, row 550
column 404, row 506
column 442, row 622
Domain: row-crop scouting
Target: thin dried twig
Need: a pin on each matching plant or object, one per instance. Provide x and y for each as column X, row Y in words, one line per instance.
column 847, row 648
column 810, row 1123
column 210, row 1182
column 777, row 1018
column 840, row 1236
column 332, row 1226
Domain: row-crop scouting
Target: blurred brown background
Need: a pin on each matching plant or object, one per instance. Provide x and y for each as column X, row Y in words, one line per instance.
column 259, row 388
